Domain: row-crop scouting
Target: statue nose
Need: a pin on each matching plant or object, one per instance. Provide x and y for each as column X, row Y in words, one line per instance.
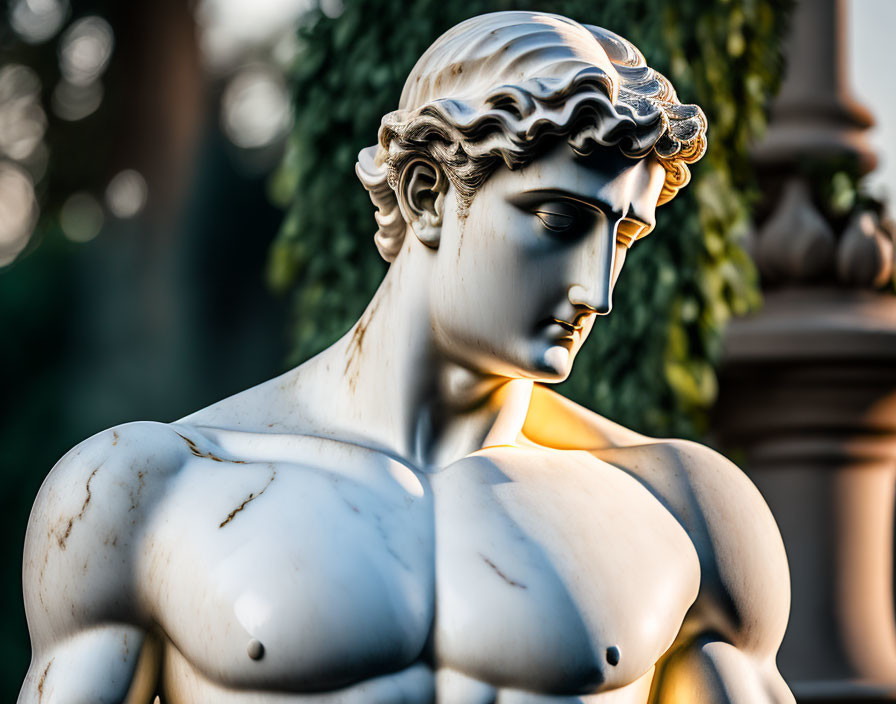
column 595, row 299
column 593, row 287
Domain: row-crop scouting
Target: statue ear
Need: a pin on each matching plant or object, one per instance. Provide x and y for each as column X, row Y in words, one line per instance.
column 421, row 194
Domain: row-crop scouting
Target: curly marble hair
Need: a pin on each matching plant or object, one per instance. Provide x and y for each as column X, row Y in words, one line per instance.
column 493, row 88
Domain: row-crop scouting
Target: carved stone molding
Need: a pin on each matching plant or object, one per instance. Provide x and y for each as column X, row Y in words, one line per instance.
column 798, row 244
column 809, row 395
column 808, row 384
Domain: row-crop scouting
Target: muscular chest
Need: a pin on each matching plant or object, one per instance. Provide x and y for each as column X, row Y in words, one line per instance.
column 294, row 577
column 556, row 572
column 521, row 569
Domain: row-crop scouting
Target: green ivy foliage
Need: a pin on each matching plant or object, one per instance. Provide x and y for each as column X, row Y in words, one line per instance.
column 649, row 365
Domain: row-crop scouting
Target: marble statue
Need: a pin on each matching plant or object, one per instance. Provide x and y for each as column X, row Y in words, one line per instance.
column 412, row 515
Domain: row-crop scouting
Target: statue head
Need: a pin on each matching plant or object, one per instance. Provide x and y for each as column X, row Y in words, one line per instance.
column 532, row 127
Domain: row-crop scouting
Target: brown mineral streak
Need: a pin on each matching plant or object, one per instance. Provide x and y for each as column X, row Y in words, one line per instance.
column 43, row 677
column 196, row 452
column 135, row 497
column 71, row 521
column 503, row 576
column 251, row 497
column 356, row 344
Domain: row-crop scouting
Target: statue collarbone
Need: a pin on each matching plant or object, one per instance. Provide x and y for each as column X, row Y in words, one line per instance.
column 409, row 515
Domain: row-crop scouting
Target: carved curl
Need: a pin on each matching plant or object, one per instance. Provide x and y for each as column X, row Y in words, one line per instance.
column 625, row 104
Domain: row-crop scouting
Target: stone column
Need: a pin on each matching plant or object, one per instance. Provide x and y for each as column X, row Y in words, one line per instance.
column 808, row 385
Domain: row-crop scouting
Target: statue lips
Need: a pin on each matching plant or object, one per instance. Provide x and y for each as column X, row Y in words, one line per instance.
column 570, row 329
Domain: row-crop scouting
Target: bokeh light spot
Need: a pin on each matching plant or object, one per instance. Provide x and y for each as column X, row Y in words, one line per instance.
column 18, row 210
column 81, row 217
column 332, row 8
column 35, row 21
column 37, row 162
column 71, row 102
column 22, row 120
column 255, row 107
column 126, row 194
column 85, row 50
column 231, row 29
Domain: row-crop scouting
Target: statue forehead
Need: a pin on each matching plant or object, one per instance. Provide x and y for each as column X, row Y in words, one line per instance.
column 504, row 48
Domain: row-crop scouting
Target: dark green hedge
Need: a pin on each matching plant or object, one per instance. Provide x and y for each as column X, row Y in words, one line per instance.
column 650, row 364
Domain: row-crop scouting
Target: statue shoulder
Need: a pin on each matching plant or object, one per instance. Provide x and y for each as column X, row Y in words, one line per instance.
column 84, row 530
column 745, row 582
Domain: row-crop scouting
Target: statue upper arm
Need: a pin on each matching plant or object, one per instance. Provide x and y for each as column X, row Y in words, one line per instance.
column 745, row 583
column 84, row 539
column 727, row 646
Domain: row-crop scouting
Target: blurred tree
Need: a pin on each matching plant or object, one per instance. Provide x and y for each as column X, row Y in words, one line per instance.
column 142, row 302
column 650, row 365
column 82, row 295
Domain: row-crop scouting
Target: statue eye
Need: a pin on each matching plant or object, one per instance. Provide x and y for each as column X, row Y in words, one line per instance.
column 559, row 217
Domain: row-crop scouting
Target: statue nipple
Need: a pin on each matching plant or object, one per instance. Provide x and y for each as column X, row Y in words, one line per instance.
column 613, row 655
column 255, row 649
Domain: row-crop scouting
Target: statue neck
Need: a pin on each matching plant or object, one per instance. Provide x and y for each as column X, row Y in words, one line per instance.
column 387, row 384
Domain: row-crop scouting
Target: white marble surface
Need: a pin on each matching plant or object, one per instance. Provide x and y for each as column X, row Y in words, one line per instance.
column 409, row 517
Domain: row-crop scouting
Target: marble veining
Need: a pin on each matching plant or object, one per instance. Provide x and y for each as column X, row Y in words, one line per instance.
column 413, row 516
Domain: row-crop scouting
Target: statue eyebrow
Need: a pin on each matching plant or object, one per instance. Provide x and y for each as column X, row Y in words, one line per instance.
column 591, row 201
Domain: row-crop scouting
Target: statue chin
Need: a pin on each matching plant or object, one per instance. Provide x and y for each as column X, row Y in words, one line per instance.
column 556, row 361
column 383, row 524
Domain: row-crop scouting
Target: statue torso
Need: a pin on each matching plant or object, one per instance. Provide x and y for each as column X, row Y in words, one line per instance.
column 517, row 574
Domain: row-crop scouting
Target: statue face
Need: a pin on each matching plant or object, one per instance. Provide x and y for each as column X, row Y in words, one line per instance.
column 519, row 278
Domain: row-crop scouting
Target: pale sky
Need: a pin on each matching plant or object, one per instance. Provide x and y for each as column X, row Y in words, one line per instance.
column 871, row 55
